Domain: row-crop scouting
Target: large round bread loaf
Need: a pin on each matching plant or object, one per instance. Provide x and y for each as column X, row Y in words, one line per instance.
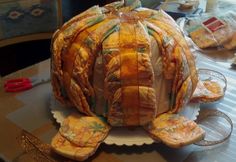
column 126, row 63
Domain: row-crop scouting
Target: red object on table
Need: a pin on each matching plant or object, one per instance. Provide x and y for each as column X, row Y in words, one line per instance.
column 17, row 85
column 213, row 24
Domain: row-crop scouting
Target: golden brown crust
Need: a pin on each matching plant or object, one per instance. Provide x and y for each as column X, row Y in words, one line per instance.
column 207, row 91
column 174, row 130
column 178, row 62
column 60, row 42
column 84, row 131
column 79, row 136
column 67, row 149
column 122, row 36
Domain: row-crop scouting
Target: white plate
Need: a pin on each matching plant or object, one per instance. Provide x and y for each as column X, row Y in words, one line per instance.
column 121, row 135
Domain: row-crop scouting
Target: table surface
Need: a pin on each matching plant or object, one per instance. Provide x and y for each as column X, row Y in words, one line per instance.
column 29, row 110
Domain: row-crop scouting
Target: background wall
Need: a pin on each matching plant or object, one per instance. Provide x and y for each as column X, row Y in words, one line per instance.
column 18, row 56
